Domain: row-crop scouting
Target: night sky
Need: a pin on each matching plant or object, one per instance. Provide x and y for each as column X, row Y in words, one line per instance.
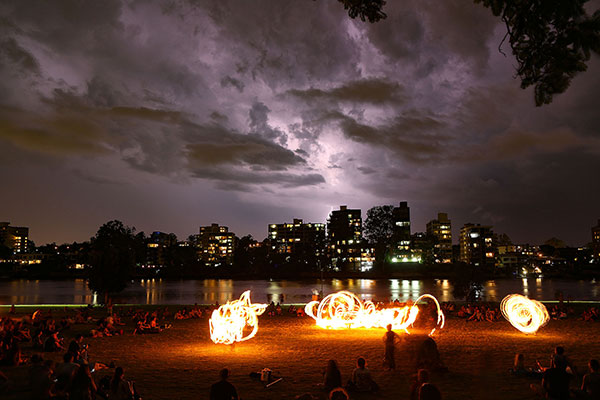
column 177, row 114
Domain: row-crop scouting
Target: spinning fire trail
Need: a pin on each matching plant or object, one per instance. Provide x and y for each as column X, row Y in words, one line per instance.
column 228, row 322
column 345, row 310
column 524, row 314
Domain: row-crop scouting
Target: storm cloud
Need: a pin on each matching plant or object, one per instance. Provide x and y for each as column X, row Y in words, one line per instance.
column 174, row 114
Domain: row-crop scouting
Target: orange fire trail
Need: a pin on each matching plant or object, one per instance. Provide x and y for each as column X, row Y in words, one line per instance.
column 524, row 314
column 228, row 322
column 345, row 310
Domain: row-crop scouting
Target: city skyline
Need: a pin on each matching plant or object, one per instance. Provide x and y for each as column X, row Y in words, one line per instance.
column 455, row 231
column 249, row 114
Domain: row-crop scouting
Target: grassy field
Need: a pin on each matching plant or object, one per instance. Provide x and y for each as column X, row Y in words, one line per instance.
column 182, row 362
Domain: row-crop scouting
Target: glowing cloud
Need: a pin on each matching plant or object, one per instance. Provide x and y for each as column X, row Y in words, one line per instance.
column 345, row 310
column 524, row 314
column 228, row 322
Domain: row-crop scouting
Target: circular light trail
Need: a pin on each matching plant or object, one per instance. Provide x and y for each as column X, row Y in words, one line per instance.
column 523, row 313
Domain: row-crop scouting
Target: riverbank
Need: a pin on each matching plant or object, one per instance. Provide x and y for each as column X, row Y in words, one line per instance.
column 182, row 362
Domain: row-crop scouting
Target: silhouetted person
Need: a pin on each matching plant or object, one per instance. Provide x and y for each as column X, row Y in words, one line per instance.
column 361, row 380
column 65, row 372
column 338, row 394
column 390, row 338
column 422, row 378
column 332, row 378
column 223, row 390
column 40, row 378
column 428, row 356
column 120, row 389
column 555, row 381
column 83, row 386
column 591, row 381
column 429, row 391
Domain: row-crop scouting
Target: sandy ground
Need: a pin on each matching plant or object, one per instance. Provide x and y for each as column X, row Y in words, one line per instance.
column 182, row 362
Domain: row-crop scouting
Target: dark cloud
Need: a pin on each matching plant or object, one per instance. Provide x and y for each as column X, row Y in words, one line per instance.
column 377, row 91
column 212, row 145
column 366, row 170
column 415, row 137
column 229, row 81
column 11, row 52
column 259, row 124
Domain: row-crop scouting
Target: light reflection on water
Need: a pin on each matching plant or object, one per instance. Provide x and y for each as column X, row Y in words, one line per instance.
column 158, row 291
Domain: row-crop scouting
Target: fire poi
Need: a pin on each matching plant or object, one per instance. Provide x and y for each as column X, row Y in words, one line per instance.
column 228, row 322
column 345, row 310
column 523, row 313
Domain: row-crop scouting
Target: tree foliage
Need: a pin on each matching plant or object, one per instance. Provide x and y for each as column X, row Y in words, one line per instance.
column 366, row 10
column 552, row 40
column 112, row 257
column 379, row 225
column 378, row 230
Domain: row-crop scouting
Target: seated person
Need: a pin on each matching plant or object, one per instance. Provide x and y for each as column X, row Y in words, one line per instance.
column 53, row 343
column 65, row 372
column 519, row 368
column 555, row 381
column 223, row 390
column 422, row 378
column 590, row 386
column 338, row 394
column 332, row 378
column 120, row 389
column 361, row 380
column 428, row 391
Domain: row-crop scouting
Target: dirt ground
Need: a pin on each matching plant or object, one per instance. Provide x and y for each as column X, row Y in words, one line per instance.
column 182, row 362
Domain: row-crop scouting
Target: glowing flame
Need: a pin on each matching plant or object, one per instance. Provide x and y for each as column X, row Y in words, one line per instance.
column 524, row 314
column 228, row 322
column 345, row 310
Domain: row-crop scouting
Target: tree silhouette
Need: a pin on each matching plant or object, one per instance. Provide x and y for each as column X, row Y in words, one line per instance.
column 551, row 40
column 378, row 230
column 112, row 258
column 366, row 10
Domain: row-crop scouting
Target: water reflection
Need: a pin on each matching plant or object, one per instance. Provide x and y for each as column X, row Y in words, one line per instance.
column 159, row 291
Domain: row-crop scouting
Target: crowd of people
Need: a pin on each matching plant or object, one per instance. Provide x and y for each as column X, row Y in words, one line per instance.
column 556, row 377
column 77, row 378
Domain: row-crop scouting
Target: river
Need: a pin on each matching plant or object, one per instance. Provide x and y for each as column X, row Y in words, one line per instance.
column 158, row 291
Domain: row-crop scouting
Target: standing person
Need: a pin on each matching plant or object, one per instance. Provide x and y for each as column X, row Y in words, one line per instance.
column 390, row 339
column 223, row 390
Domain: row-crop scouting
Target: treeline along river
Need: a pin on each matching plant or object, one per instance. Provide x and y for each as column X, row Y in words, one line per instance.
column 158, row 291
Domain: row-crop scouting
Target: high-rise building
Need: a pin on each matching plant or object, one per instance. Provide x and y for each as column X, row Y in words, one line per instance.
column 401, row 238
column 157, row 248
column 441, row 230
column 596, row 242
column 344, row 236
column 477, row 245
column 215, row 245
column 297, row 238
column 422, row 248
column 15, row 238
